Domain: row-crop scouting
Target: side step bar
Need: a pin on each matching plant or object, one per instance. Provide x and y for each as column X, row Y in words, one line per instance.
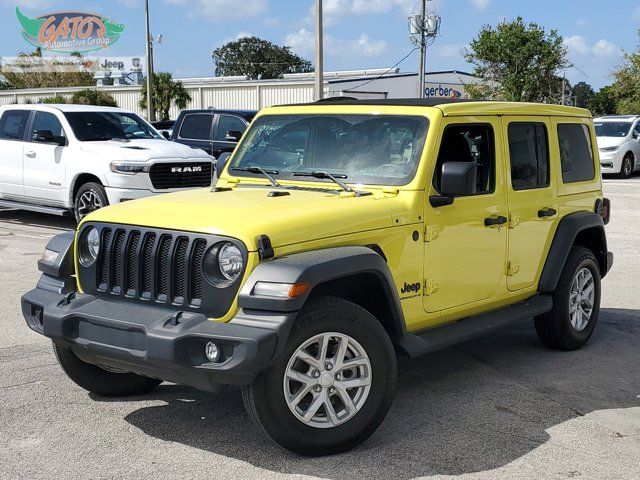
column 427, row 341
column 34, row 208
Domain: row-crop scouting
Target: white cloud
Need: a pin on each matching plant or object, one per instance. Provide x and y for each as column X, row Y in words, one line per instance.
column 29, row 4
column 578, row 46
column 604, row 48
column 302, row 42
column 480, row 4
column 334, row 11
column 217, row 10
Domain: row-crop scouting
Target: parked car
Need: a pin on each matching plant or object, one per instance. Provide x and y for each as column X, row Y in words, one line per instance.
column 75, row 159
column 339, row 234
column 214, row 131
column 619, row 144
column 164, row 127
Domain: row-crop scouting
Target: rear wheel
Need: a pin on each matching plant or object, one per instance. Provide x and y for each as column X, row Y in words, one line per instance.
column 89, row 198
column 576, row 303
column 627, row 166
column 102, row 382
column 334, row 384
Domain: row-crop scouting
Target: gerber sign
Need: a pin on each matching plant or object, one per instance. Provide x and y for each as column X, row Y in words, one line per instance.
column 68, row 32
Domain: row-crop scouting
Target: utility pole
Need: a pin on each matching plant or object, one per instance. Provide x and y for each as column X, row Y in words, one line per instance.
column 151, row 112
column 423, row 49
column 319, row 88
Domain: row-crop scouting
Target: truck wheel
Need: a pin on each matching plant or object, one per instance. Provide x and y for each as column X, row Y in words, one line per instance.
column 627, row 167
column 576, row 303
column 100, row 381
column 90, row 197
column 334, row 384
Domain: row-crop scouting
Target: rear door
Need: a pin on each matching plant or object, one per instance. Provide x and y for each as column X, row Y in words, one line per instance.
column 45, row 163
column 196, row 130
column 532, row 199
column 13, row 125
column 226, row 127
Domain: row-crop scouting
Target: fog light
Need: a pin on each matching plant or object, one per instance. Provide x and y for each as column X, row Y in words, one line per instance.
column 212, row 351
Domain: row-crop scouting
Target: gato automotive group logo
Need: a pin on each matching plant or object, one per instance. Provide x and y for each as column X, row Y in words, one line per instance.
column 68, row 32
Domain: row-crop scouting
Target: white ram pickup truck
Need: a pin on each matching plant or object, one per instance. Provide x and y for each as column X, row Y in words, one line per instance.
column 75, row 159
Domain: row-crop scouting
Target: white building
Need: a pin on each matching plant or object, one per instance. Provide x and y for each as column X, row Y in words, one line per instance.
column 241, row 93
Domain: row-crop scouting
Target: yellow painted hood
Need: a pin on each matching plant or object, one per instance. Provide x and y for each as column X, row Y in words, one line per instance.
column 246, row 213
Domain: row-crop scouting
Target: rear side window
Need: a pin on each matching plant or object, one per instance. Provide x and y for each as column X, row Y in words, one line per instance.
column 228, row 123
column 576, row 154
column 13, row 124
column 196, row 127
column 529, row 153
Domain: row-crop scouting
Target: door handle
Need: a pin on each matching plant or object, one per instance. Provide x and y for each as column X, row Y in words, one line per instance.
column 30, row 154
column 492, row 221
column 547, row 212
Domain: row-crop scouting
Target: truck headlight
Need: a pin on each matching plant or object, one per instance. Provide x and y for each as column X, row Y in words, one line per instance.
column 223, row 264
column 89, row 247
column 609, row 149
column 128, row 168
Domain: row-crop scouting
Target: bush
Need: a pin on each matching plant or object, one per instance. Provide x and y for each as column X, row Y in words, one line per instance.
column 93, row 97
column 56, row 99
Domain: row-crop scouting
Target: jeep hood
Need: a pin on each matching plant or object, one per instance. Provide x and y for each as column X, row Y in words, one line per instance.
column 143, row 150
column 246, row 213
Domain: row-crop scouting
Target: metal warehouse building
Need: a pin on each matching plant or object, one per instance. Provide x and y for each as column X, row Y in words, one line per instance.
column 241, row 93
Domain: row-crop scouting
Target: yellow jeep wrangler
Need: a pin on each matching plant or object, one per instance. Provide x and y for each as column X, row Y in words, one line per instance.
column 339, row 234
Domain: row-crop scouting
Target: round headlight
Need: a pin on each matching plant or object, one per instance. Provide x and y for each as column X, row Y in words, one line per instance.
column 223, row 264
column 89, row 247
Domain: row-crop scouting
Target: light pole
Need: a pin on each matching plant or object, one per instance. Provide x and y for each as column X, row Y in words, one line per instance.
column 319, row 87
column 423, row 49
column 151, row 112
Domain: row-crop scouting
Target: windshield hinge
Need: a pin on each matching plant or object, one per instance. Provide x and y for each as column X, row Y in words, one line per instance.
column 512, row 269
column 431, row 233
column 431, row 286
column 514, row 220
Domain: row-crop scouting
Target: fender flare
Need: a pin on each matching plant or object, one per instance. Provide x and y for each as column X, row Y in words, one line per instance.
column 568, row 230
column 315, row 268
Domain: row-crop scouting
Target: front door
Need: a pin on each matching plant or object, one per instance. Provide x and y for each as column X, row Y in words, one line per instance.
column 44, row 163
column 533, row 203
column 466, row 242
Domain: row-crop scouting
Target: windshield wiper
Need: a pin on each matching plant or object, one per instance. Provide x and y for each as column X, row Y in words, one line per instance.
column 260, row 170
column 327, row 176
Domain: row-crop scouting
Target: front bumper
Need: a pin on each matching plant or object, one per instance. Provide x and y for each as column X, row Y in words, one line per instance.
column 156, row 342
column 611, row 162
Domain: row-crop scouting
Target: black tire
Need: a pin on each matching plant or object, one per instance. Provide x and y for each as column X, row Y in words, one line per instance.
column 627, row 167
column 265, row 398
column 93, row 190
column 100, row 381
column 554, row 328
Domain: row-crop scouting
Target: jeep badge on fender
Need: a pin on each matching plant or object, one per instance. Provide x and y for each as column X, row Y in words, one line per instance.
column 289, row 277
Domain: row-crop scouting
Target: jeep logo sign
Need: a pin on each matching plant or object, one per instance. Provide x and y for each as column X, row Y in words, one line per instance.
column 186, row 169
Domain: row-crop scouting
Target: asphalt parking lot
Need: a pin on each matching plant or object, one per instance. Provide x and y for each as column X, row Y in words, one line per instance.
column 498, row 407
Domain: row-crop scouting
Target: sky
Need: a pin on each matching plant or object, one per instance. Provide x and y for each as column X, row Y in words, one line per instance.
column 358, row 33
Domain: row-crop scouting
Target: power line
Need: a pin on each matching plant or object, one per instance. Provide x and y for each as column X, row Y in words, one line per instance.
column 385, row 72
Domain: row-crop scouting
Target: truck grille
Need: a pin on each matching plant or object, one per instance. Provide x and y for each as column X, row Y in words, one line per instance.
column 165, row 267
column 180, row 175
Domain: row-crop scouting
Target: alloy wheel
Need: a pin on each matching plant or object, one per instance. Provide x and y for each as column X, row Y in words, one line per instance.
column 581, row 299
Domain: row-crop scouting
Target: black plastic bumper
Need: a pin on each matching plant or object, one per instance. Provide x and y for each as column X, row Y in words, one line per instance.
column 155, row 342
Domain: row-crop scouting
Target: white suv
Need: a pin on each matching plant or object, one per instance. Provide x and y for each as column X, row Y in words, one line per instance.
column 77, row 158
column 619, row 144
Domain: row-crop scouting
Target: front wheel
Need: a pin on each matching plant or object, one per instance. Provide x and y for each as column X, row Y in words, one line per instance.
column 627, row 166
column 334, row 384
column 89, row 198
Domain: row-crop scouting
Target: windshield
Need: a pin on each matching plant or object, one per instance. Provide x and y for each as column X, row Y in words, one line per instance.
column 613, row 129
column 95, row 126
column 361, row 149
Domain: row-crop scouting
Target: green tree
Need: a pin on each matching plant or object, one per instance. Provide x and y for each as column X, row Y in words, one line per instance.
column 257, row 58
column 166, row 91
column 92, row 96
column 583, row 94
column 517, row 62
column 626, row 87
column 603, row 102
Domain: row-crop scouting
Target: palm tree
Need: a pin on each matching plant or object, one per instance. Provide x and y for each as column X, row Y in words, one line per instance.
column 166, row 91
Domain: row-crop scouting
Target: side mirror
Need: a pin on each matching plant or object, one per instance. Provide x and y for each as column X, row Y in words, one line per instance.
column 222, row 161
column 166, row 134
column 459, row 179
column 233, row 136
column 43, row 136
column 636, row 135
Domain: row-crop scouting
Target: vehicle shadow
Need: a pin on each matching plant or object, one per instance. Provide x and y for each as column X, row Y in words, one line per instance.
column 33, row 219
column 472, row 408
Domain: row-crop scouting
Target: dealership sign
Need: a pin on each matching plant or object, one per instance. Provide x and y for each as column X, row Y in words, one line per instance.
column 70, row 64
column 68, row 32
column 445, row 91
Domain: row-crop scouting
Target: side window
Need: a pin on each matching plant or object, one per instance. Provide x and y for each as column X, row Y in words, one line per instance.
column 529, row 153
column 576, row 154
column 13, row 124
column 196, row 126
column 48, row 122
column 469, row 143
column 228, row 123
